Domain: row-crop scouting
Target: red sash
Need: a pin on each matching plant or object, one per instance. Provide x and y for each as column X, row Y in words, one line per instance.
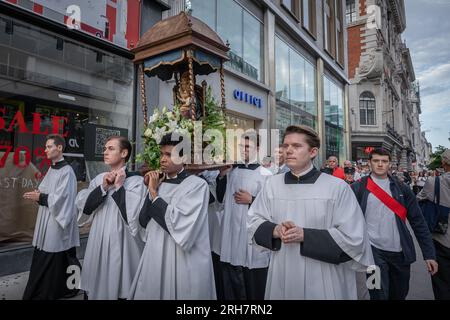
column 388, row 201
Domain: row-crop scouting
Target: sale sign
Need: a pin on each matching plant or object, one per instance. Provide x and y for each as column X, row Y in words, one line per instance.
column 22, row 154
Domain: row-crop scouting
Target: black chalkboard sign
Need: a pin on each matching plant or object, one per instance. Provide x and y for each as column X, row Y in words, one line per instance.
column 95, row 136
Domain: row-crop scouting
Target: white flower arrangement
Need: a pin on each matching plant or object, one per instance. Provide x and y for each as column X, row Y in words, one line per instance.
column 162, row 122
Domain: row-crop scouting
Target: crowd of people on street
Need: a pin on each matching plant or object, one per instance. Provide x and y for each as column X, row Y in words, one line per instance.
column 353, row 171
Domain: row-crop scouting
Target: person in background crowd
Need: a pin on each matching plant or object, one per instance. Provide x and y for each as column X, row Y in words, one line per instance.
column 280, row 160
column 269, row 165
column 421, row 179
column 441, row 280
column 349, row 175
column 348, row 164
column 359, row 168
column 244, row 267
column 326, row 169
column 413, row 186
column 406, row 177
column 365, row 171
column 336, row 171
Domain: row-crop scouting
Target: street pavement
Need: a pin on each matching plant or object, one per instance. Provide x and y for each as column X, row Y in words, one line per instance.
column 420, row 283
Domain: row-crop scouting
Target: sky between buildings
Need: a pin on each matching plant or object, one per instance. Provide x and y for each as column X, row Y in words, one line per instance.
column 427, row 35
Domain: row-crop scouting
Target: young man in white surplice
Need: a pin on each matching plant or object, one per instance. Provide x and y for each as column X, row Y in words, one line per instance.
column 312, row 224
column 176, row 262
column 56, row 234
column 112, row 203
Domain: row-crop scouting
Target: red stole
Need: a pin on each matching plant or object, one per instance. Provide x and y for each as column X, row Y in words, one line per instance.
column 388, row 201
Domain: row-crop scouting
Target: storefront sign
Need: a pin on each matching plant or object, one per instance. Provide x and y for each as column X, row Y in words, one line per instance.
column 22, row 155
column 247, row 98
column 18, row 120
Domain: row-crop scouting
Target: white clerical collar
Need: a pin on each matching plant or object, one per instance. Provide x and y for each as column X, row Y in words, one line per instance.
column 176, row 176
column 123, row 168
column 62, row 159
column 303, row 172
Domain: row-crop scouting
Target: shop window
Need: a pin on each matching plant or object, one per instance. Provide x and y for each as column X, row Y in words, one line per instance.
column 295, row 88
column 240, row 29
column 69, row 92
column 335, row 125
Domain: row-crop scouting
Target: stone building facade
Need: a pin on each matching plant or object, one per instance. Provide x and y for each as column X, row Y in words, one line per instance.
column 384, row 97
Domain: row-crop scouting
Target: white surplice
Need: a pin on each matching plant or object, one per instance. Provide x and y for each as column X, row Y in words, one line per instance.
column 114, row 246
column 177, row 264
column 328, row 204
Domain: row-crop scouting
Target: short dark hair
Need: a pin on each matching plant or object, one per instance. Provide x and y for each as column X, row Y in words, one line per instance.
column 380, row 152
column 58, row 140
column 123, row 144
column 167, row 140
column 251, row 137
column 312, row 138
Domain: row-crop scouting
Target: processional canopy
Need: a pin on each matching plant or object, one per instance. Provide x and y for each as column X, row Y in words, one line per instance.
column 181, row 47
